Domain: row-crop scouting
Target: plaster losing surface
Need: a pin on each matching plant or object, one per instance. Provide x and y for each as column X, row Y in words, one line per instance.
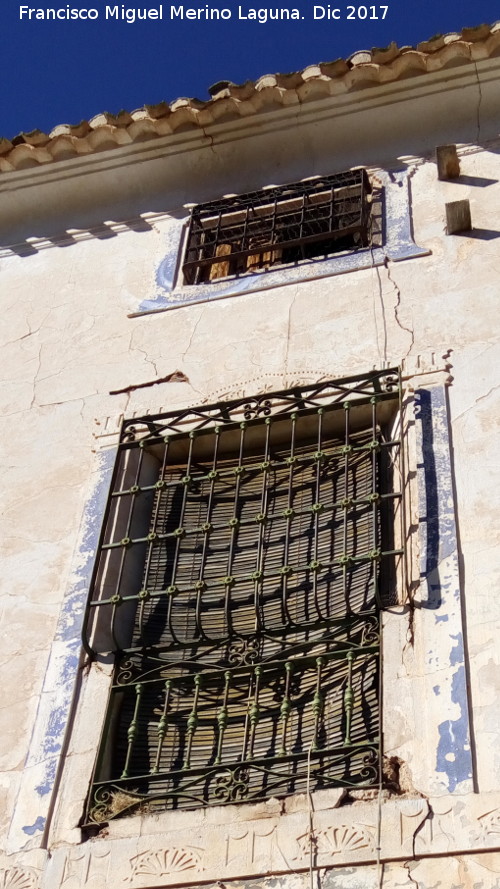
column 69, row 343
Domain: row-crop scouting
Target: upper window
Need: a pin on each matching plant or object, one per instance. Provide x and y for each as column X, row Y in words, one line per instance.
column 322, row 226
column 245, row 555
column 278, row 226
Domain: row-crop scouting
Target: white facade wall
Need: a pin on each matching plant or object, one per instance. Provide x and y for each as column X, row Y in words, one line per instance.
column 85, row 247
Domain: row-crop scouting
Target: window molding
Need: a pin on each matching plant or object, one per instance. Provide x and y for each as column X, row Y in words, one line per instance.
column 69, row 714
column 398, row 245
column 439, row 594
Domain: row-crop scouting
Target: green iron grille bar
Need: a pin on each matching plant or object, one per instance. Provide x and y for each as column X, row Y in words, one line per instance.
column 315, row 564
column 206, row 528
column 285, row 568
column 345, row 503
column 375, row 552
column 125, row 543
column 233, row 526
column 162, row 727
column 260, row 518
column 143, row 594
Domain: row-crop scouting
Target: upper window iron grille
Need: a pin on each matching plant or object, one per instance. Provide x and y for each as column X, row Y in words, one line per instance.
column 239, row 583
column 278, row 225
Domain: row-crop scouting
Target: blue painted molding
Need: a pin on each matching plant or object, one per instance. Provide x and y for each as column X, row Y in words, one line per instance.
column 58, row 690
column 440, row 586
column 398, row 245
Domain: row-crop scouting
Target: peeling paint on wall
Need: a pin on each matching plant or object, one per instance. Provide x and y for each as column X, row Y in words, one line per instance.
column 440, row 577
column 37, row 827
column 59, row 684
column 454, row 745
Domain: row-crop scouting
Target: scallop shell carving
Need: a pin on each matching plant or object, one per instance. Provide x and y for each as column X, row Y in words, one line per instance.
column 17, row 878
column 166, row 861
column 345, row 838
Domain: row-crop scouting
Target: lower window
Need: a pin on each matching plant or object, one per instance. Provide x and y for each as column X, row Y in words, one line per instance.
column 247, row 550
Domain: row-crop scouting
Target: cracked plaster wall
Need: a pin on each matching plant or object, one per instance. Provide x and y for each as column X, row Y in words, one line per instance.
column 67, row 342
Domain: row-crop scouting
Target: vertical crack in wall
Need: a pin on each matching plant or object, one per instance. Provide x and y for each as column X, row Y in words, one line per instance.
column 193, row 334
column 147, row 359
column 479, row 101
column 428, row 817
column 397, row 307
column 407, row 867
column 210, row 140
column 289, row 327
column 413, row 860
column 410, row 634
column 383, row 356
column 35, row 378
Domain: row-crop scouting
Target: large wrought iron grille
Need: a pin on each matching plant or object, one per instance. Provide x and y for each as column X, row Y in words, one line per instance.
column 279, row 225
column 242, row 567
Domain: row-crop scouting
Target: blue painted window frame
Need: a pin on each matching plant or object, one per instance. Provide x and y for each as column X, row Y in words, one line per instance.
column 398, row 245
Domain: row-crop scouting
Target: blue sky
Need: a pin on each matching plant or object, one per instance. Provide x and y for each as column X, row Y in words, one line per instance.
column 64, row 71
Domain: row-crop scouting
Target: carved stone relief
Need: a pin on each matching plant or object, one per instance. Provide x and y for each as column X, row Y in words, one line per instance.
column 166, row 861
column 337, row 840
column 18, row 878
column 235, row 840
column 270, row 382
column 410, row 822
column 427, row 827
column 87, row 866
column 346, row 838
column 231, row 849
column 254, row 845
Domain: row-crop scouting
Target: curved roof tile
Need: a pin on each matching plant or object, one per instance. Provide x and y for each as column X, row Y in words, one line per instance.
column 228, row 101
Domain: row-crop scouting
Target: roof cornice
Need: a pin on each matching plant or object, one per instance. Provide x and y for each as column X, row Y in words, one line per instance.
column 377, row 77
